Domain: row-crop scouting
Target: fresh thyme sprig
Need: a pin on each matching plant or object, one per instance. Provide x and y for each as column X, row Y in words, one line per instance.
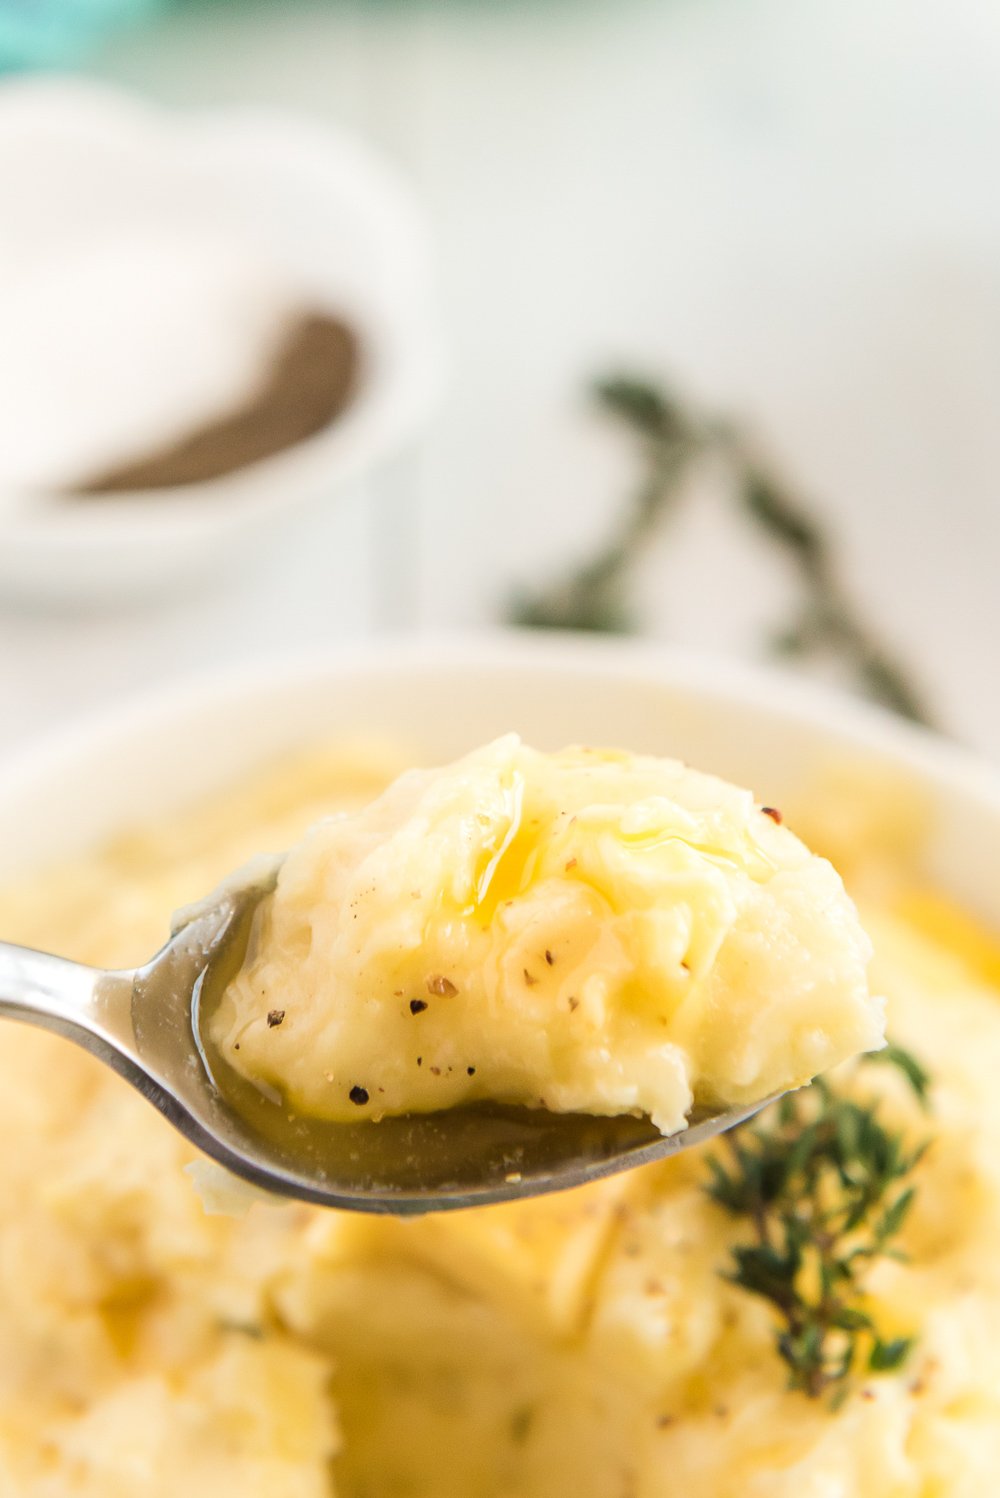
column 673, row 440
column 826, row 1188
column 594, row 597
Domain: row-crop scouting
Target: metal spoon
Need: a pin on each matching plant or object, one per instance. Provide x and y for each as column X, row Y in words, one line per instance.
column 146, row 1023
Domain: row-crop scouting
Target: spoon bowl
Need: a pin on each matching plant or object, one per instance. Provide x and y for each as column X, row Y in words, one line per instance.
column 150, row 1025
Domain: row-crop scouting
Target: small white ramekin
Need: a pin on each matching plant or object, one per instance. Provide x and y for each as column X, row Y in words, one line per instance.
column 323, row 208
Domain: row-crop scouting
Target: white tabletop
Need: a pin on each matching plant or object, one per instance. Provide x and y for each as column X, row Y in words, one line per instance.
column 788, row 208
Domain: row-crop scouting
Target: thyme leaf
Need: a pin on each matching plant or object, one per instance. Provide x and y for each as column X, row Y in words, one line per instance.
column 673, row 440
column 917, row 1075
column 826, row 1188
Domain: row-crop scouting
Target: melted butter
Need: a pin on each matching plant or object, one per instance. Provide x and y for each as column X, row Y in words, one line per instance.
column 510, row 869
column 510, row 866
column 954, row 928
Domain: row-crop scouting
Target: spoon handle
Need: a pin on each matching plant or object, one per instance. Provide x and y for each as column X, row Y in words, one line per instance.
column 82, row 1003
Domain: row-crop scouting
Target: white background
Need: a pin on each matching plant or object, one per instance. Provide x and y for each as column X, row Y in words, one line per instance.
column 788, row 208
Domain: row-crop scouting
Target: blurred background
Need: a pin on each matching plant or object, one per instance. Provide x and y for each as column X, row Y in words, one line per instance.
column 325, row 317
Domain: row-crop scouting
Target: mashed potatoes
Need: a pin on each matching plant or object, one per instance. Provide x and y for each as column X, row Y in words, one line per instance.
column 582, row 1344
column 590, row 931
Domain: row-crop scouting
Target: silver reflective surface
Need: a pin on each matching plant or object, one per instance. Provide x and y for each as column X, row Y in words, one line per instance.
column 150, row 1025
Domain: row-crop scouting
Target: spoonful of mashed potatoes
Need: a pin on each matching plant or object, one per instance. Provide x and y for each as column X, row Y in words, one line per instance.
column 504, row 976
column 588, row 932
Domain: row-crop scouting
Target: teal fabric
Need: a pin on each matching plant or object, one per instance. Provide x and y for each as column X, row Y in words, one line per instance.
column 37, row 33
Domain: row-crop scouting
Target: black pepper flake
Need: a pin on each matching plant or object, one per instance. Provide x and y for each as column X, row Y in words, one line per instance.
column 358, row 1095
column 549, row 957
column 435, row 1071
column 274, row 1018
column 773, row 813
column 420, row 1060
column 529, row 980
column 520, row 1424
column 417, row 1006
column 573, row 1004
column 471, row 1070
column 236, row 1046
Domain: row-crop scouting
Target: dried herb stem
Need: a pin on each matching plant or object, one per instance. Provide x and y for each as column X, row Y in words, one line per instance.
column 595, row 596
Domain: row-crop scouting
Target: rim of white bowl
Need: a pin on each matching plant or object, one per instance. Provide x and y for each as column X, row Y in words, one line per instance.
column 847, row 720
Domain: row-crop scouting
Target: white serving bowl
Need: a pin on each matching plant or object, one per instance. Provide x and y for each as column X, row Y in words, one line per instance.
column 325, row 212
column 438, row 698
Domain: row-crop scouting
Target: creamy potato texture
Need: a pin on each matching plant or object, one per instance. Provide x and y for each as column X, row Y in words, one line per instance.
column 589, row 931
column 582, row 1344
